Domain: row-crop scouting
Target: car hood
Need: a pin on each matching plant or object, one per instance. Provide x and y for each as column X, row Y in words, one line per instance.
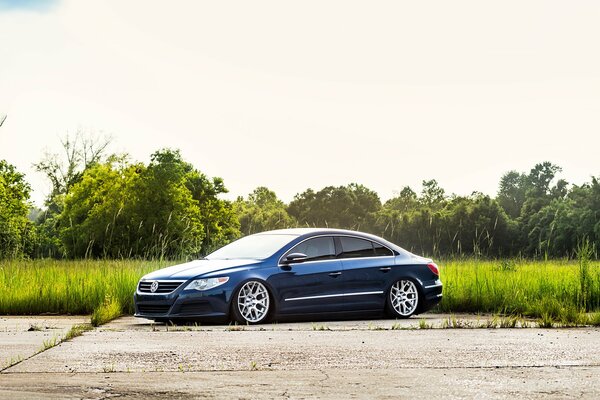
column 195, row 268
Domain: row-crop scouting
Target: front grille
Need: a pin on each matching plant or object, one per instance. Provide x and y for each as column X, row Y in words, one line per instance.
column 163, row 286
column 153, row 308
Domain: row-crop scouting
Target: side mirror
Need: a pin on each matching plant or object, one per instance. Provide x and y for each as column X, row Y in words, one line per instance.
column 295, row 258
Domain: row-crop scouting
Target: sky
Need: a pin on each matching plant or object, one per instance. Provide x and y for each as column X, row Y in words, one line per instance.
column 292, row 95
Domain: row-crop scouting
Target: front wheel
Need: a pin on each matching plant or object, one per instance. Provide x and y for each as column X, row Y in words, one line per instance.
column 251, row 303
column 403, row 298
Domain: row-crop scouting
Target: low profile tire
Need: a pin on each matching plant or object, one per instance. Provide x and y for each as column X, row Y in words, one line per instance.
column 403, row 298
column 251, row 303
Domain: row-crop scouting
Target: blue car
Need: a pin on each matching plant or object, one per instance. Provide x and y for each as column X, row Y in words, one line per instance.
column 292, row 272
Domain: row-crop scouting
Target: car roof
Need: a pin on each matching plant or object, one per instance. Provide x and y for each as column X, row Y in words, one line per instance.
column 305, row 231
column 324, row 231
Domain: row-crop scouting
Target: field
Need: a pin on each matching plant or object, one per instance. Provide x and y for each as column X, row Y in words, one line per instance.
column 558, row 289
column 102, row 288
column 552, row 290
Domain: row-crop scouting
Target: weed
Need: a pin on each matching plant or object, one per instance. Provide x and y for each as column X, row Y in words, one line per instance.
column 585, row 251
column 594, row 319
column 77, row 330
column 372, row 327
column 109, row 368
column 546, row 321
column 424, row 325
column 455, row 323
column 253, row 366
column 236, row 327
column 50, row 343
column 320, row 327
column 492, row 323
column 109, row 310
column 12, row 361
column 509, row 321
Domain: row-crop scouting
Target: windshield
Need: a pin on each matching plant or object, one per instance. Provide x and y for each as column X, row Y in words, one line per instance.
column 254, row 246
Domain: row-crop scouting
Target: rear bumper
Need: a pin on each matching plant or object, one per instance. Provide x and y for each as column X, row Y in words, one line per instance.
column 432, row 292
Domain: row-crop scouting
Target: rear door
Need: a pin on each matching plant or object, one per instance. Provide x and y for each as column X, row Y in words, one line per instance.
column 367, row 272
column 312, row 286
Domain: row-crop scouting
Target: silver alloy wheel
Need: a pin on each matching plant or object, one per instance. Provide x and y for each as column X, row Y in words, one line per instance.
column 253, row 301
column 404, row 297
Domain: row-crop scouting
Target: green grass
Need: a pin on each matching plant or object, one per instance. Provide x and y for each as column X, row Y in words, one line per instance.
column 529, row 288
column 70, row 287
column 555, row 293
column 107, row 311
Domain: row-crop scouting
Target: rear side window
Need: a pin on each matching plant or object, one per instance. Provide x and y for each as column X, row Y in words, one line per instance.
column 321, row 248
column 354, row 247
column 381, row 250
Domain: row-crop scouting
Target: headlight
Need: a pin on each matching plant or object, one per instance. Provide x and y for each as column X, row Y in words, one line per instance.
column 205, row 284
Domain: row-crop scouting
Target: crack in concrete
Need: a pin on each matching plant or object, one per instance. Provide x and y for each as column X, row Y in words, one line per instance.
column 470, row 367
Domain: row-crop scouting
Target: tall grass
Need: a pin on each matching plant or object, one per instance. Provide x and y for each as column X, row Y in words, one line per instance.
column 520, row 287
column 555, row 289
column 69, row 287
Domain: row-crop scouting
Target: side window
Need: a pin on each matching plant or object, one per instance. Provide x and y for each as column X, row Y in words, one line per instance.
column 354, row 247
column 381, row 250
column 321, row 248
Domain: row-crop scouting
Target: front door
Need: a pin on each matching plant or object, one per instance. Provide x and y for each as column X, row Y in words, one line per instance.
column 312, row 286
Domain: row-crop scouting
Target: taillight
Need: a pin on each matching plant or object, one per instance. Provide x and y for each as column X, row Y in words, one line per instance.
column 434, row 268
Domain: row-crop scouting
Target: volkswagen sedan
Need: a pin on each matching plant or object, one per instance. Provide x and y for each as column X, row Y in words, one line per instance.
column 293, row 272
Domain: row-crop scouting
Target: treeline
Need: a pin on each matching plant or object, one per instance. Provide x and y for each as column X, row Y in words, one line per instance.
column 111, row 207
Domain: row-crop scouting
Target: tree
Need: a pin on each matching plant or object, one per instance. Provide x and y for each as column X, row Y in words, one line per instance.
column 162, row 210
column 432, row 195
column 476, row 225
column 512, row 193
column 79, row 153
column 351, row 207
column 405, row 201
column 94, row 221
column 262, row 211
column 557, row 228
column 16, row 231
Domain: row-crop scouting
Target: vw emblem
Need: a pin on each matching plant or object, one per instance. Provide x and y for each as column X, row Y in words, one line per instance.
column 154, row 286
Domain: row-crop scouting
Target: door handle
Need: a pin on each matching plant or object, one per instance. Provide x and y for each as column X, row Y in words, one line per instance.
column 385, row 269
column 335, row 274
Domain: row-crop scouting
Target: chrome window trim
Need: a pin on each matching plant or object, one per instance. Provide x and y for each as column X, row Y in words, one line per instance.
column 279, row 264
column 325, row 296
column 137, row 289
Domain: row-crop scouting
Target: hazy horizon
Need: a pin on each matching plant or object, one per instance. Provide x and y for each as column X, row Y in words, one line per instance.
column 292, row 96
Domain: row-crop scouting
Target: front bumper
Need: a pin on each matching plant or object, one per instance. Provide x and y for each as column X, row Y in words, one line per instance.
column 183, row 304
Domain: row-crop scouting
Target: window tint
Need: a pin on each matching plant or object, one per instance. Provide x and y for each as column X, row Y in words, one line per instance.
column 321, row 248
column 353, row 247
column 381, row 250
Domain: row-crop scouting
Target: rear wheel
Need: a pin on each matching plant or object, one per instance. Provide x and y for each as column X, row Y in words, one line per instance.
column 403, row 298
column 251, row 303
